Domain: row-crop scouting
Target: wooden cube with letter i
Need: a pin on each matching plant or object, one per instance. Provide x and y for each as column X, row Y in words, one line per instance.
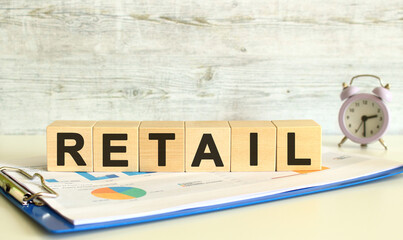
column 69, row 146
column 298, row 145
column 253, row 146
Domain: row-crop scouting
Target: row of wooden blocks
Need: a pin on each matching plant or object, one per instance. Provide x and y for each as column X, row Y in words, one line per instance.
column 177, row 146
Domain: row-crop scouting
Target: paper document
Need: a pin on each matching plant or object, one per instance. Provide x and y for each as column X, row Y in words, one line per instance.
column 95, row 197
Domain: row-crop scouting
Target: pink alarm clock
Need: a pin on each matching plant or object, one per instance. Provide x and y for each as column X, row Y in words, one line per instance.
column 364, row 117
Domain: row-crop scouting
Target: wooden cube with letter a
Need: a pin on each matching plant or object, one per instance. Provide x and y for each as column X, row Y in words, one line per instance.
column 69, row 146
column 299, row 145
column 253, row 146
column 162, row 146
column 208, row 146
column 116, row 146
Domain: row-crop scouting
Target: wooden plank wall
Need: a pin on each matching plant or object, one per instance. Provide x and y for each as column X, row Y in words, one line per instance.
column 193, row 60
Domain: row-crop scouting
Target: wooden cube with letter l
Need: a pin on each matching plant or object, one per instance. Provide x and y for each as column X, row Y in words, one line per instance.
column 208, row 146
column 162, row 146
column 299, row 145
column 253, row 146
column 69, row 146
column 116, row 146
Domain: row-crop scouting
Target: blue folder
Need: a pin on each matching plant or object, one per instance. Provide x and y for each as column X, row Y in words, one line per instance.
column 54, row 223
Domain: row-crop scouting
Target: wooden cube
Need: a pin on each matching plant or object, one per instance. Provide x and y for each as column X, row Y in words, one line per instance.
column 162, row 146
column 298, row 145
column 69, row 146
column 116, row 146
column 208, row 146
column 253, row 146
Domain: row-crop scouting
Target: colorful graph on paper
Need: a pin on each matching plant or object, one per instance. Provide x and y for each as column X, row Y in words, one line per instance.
column 118, row 193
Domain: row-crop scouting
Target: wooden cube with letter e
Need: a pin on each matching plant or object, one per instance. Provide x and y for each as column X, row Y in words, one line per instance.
column 298, row 145
column 253, row 146
column 116, row 146
column 69, row 146
column 208, row 146
column 162, row 146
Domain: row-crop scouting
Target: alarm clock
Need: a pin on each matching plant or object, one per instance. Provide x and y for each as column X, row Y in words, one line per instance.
column 364, row 117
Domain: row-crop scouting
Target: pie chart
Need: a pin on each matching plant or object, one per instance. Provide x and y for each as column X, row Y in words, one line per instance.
column 118, row 193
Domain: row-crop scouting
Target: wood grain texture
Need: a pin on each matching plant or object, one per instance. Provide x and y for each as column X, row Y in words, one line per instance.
column 193, row 60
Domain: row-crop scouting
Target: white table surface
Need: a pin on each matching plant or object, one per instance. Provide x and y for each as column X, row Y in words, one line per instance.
column 369, row 211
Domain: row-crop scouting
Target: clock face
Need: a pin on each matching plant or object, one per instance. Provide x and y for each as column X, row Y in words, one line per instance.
column 363, row 118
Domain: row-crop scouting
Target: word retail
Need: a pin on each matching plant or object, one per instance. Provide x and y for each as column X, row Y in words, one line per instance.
column 178, row 146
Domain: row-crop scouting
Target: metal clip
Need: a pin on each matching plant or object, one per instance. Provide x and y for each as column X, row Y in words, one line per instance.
column 19, row 192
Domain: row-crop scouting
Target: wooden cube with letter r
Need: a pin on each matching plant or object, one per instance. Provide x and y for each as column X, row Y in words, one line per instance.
column 299, row 145
column 69, row 146
column 208, row 146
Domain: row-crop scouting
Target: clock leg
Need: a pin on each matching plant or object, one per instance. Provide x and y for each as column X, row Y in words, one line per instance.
column 342, row 141
column 383, row 143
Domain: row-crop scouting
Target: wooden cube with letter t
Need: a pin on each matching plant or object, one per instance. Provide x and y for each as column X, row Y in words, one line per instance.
column 253, row 146
column 116, row 146
column 69, row 146
column 298, row 145
column 162, row 146
column 208, row 146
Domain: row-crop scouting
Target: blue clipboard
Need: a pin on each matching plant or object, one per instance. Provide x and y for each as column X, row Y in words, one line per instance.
column 54, row 223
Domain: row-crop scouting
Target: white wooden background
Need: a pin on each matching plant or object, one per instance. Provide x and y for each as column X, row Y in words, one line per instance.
column 193, row 60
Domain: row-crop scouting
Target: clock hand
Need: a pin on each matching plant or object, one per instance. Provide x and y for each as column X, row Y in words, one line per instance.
column 364, row 133
column 363, row 119
column 359, row 127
